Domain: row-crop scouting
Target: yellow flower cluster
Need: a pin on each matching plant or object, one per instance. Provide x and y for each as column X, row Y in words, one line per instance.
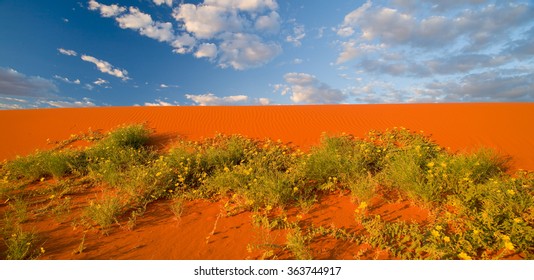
column 464, row 256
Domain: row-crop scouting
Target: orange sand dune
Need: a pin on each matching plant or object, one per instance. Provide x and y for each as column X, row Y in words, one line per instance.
column 506, row 127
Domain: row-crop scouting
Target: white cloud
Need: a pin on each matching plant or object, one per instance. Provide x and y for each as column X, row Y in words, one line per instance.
column 476, row 27
column 206, row 21
column 241, row 51
column 67, row 52
column 159, row 102
column 67, row 80
column 298, row 34
column 297, row 61
column 101, row 82
column 210, row 28
column 106, row 10
column 486, row 86
column 244, row 5
column 13, row 83
column 352, row 49
column 264, row 101
column 106, row 67
column 161, row 2
column 228, row 31
column 133, row 18
column 268, row 23
column 347, row 28
column 184, row 43
column 210, row 99
column 137, row 20
column 208, row 50
column 10, row 103
column 306, row 88
column 85, row 102
column 168, row 86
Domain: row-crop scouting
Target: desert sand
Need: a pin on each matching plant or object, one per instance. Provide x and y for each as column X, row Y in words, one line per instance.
column 507, row 128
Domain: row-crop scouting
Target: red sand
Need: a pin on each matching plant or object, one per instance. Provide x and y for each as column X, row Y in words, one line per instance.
column 506, row 127
column 158, row 234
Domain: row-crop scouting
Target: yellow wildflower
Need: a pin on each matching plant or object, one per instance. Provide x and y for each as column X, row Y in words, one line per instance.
column 435, row 233
column 42, row 179
column 446, row 239
column 430, row 164
column 42, row 250
column 158, row 174
column 363, row 205
column 509, row 245
column 510, row 192
column 464, row 256
column 439, row 228
column 517, row 220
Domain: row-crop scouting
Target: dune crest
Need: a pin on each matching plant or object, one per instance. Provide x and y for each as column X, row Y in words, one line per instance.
column 505, row 127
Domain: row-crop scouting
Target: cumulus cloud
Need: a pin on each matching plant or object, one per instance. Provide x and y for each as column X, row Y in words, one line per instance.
column 137, row 20
column 101, row 82
column 486, row 86
column 206, row 21
column 477, row 27
column 352, row 49
column 210, row 99
column 268, row 23
column 244, row 5
column 159, row 102
column 67, row 80
column 306, row 88
column 298, row 34
column 13, row 83
column 67, row 52
column 230, row 32
column 208, row 50
column 241, row 51
column 438, row 51
column 161, row 2
column 264, row 101
column 106, row 10
column 85, row 102
column 210, row 28
column 106, row 67
column 184, row 43
column 133, row 18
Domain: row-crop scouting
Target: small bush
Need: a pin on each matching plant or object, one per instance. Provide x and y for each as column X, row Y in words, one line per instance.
column 22, row 245
column 104, row 212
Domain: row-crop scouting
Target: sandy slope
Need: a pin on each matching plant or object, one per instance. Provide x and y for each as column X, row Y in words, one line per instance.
column 198, row 233
column 504, row 126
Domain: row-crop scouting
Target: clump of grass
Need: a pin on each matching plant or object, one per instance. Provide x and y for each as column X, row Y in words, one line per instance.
column 132, row 136
column 104, row 212
column 177, row 207
column 297, row 244
column 21, row 245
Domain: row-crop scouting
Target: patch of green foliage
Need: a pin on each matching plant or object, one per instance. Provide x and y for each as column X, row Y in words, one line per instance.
column 480, row 210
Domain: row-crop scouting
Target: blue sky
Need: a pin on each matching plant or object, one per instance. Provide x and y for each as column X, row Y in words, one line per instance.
column 257, row 52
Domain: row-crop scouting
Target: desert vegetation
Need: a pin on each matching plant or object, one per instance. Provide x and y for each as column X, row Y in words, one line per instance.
column 478, row 210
